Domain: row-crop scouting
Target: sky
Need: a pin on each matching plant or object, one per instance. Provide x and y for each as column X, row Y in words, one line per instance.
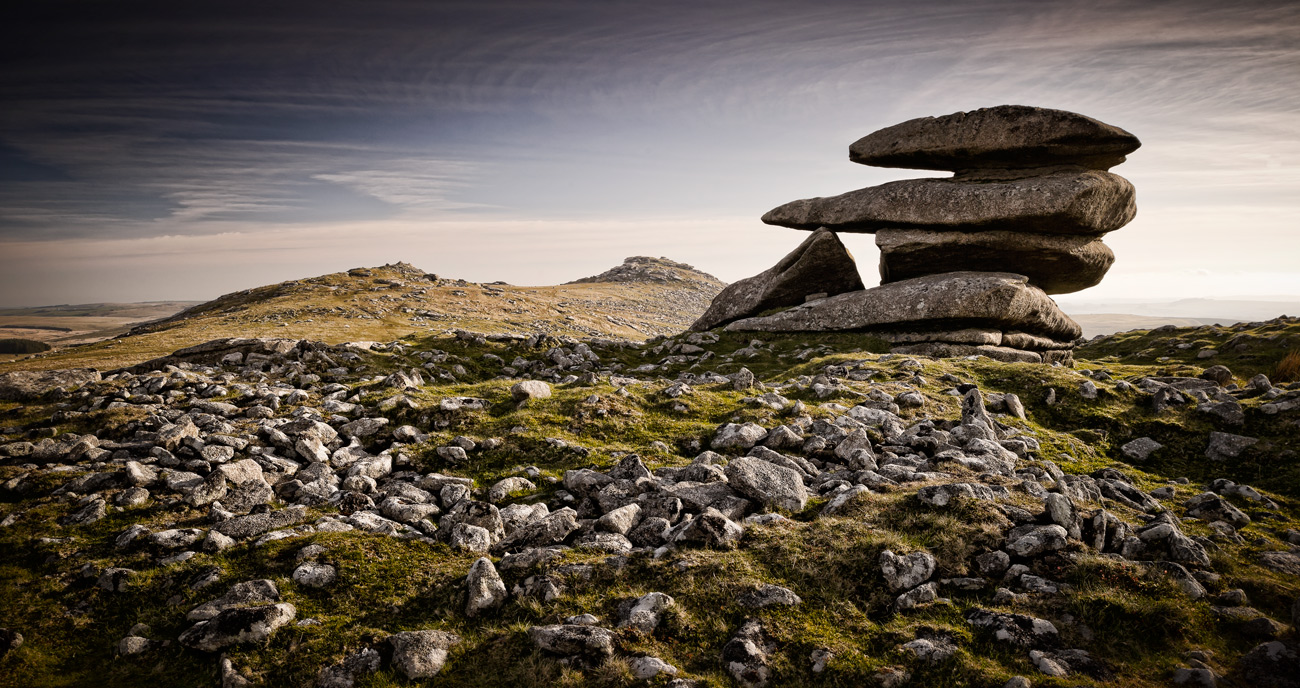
column 181, row 150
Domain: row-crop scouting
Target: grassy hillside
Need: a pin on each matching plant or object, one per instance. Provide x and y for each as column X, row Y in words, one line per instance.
column 652, row 297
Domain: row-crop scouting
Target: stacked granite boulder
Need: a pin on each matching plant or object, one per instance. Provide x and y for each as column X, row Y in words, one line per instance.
column 966, row 262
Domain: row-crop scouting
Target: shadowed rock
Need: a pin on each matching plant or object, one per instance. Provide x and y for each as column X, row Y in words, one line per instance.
column 977, row 299
column 1087, row 202
column 1006, row 136
column 1055, row 263
column 820, row 265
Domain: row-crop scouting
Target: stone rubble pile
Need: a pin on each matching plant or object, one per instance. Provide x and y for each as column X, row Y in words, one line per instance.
column 966, row 262
column 292, row 451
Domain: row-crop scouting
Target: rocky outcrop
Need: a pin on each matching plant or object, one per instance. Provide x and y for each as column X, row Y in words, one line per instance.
column 967, row 261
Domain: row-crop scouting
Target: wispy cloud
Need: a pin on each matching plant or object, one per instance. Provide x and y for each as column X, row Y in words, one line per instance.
column 150, row 119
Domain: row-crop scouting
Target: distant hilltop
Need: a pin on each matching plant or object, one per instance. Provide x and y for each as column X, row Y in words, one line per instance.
column 647, row 269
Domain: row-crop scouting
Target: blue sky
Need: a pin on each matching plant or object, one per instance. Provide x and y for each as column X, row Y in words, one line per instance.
column 182, row 150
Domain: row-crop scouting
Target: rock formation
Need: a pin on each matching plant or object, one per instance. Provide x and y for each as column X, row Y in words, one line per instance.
column 966, row 262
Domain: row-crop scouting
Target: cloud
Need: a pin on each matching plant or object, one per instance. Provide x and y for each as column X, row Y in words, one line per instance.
column 142, row 120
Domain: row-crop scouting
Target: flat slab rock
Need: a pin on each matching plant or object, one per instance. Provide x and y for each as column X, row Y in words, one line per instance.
column 1006, row 136
column 1088, row 202
column 1055, row 263
column 819, row 265
column 995, row 300
column 32, row 385
column 1004, row 354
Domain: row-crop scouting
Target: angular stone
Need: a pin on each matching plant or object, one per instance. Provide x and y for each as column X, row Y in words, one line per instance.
column 907, row 571
column 421, row 654
column 240, row 625
column 1140, row 449
column 973, row 299
column 588, row 642
column 1066, row 202
column 1006, row 136
column 1017, row 629
column 260, row 591
column 770, row 484
column 530, row 389
column 820, row 265
column 1055, row 263
column 486, row 589
column 32, row 385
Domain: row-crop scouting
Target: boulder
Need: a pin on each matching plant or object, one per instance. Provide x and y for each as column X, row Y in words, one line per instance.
column 1140, row 449
column 820, row 265
column 643, row 613
column 977, row 299
column 1224, row 446
column 530, row 389
column 33, row 385
column 253, row 592
column 1067, row 202
column 745, row 655
column 769, row 595
column 907, row 571
column 1055, row 263
column 587, row 642
column 421, row 654
column 767, row 483
column 239, row 625
column 1006, row 136
column 1016, row 629
column 710, row 529
column 486, row 589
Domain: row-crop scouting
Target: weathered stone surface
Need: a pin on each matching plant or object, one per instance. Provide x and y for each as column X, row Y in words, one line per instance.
column 1225, row 446
column 1055, row 263
column 949, row 350
column 710, row 529
column 240, row 625
column 820, row 265
column 1140, row 449
column 589, row 642
column 421, row 654
column 530, row 389
column 643, row 613
column 260, row 591
column 1273, row 664
column 1017, row 629
column 975, row 299
column 769, row 595
column 772, row 485
column 32, row 385
column 1070, row 202
column 486, row 589
column 549, row 530
column 745, row 655
column 1006, row 136
column 256, row 524
column 903, row 572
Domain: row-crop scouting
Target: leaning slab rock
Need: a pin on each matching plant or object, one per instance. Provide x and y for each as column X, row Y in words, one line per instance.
column 820, row 266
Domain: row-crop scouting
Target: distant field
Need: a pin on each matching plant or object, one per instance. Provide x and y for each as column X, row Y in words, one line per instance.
column 65, row 325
